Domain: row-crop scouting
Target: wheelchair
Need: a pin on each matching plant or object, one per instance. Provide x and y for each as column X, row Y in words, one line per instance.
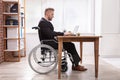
column 43, row 58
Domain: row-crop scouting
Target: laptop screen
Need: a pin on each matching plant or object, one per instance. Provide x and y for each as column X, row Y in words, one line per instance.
column 75, row 29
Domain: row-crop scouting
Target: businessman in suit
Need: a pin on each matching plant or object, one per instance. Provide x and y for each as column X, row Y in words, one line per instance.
column 47, row 32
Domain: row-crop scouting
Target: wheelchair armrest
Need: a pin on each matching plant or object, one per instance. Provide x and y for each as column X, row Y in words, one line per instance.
column 50, row 40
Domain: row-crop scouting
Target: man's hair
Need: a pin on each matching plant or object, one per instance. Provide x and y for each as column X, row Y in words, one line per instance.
column 48, row 9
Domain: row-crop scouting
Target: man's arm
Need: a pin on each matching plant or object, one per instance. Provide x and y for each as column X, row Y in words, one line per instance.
column 48, row 31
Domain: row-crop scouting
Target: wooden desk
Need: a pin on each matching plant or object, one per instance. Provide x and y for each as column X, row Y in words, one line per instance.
column 80, row 39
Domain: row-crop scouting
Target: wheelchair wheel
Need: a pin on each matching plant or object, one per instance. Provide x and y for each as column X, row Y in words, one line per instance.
column 43, row 59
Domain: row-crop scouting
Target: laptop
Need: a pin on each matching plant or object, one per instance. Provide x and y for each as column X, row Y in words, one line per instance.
column 75, row 30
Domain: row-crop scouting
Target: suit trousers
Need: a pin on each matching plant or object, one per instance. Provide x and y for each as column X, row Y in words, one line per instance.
column 70, row 47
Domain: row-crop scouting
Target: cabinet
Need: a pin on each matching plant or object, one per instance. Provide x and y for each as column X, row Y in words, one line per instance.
column 14, row 29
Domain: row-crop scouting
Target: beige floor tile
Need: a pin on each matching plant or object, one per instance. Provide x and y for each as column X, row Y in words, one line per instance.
column 22, row 71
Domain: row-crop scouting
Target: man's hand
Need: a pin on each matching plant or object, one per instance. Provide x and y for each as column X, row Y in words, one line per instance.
column 69, row 33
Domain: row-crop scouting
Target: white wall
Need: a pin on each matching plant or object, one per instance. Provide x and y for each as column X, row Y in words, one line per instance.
column 110, row 27
column 111, row 16
column 33, row 14
column 98, row 16
column 32, row 40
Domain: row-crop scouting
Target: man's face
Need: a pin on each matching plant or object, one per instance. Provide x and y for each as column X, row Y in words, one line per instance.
column 50, row 15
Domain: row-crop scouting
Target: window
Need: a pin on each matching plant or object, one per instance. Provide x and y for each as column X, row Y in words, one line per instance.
column 68, row 14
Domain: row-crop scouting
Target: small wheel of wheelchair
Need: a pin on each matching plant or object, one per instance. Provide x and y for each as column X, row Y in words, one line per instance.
column 64, row 66
column 43, row 59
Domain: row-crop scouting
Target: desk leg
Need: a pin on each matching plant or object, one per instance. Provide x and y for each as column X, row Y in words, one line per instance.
column 60, row 44
column 81, row 43
column 96, row 48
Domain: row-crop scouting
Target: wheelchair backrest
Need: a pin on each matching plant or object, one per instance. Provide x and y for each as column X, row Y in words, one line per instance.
column 48, row 42
column 39, row 33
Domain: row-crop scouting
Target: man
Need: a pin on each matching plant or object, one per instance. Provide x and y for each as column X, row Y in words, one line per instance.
column 47, row 32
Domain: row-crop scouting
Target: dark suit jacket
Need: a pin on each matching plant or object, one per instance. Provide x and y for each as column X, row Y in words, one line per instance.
column 47, row 30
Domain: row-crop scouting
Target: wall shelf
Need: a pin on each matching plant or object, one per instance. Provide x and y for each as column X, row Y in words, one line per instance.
column 14, row 29
column 6, row 13
column 15, row 50
column 14, row 38
column 10, row 26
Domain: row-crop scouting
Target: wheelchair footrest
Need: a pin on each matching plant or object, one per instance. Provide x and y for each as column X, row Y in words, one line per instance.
column 64, row 66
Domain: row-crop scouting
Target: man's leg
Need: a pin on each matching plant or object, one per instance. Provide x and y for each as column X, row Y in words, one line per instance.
column 70, row 47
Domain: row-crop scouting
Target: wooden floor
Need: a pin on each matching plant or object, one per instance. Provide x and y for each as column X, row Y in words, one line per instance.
column 22, row 71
